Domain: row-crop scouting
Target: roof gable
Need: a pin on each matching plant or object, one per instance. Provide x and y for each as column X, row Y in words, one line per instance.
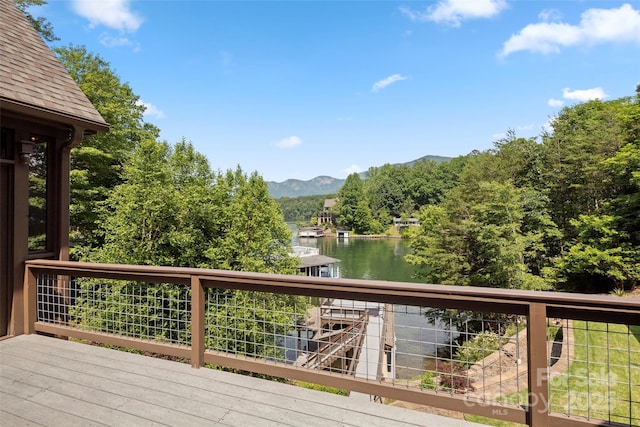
column 329, row 203
column 32, row 78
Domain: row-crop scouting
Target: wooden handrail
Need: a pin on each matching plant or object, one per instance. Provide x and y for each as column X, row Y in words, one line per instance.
column 594, row 307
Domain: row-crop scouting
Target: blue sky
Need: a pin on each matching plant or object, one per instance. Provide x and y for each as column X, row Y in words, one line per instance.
column 297, row 89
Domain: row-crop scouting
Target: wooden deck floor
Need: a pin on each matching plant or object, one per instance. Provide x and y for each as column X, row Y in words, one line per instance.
column 51, row 382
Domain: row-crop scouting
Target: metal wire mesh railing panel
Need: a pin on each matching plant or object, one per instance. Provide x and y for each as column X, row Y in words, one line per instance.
column 253, row 324
column 309, row 333
column 478, row 355
column 481, row 356
column 595, row 371
column 159, row 312
column 346, row 338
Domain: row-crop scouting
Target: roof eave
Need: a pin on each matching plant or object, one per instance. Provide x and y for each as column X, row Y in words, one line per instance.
column 317, row 261
column 90, row 126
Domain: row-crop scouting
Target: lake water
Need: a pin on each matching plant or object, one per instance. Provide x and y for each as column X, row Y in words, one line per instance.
column 376, row 259
column 383, row 259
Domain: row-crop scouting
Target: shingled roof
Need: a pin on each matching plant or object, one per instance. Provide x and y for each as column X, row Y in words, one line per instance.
column 32, row 80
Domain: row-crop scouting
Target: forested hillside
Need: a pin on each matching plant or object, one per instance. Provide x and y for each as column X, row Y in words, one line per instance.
column 297, row 188
column 303, row 208
column 292, row 188
column 561, row 211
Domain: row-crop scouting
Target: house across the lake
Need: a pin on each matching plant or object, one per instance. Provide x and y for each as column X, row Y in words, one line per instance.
column 325, row 216
column 408, row 222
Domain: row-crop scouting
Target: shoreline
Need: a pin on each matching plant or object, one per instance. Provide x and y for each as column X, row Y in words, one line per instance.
column 367, row 236
column 329, row 233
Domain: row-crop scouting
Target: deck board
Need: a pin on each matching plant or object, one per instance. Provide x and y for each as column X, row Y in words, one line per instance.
column 51, row 382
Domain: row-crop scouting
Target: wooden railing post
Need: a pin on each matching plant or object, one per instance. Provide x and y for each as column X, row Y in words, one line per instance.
column 30, row 301
column 538, row 411
column 197, row 322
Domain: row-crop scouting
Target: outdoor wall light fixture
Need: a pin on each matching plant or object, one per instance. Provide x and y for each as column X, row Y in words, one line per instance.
column 25, row 150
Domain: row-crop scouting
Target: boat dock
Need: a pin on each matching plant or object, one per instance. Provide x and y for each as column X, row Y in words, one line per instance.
column 315, row 265
column 354, row 337
column 311, row 232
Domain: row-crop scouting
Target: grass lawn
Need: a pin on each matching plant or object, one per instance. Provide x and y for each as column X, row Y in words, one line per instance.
column 603, row 381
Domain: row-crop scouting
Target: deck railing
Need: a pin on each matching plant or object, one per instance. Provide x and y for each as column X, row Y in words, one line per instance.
column 536, row 358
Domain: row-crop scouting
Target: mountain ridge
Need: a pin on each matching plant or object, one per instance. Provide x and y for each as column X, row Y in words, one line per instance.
column 324, row 184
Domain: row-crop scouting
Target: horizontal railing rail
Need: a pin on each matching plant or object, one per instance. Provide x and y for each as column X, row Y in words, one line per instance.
column 200, row 297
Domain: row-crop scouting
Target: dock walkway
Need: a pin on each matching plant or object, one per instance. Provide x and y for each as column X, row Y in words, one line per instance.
column 371, row 353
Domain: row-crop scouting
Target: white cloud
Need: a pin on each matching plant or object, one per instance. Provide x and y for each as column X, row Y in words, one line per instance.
column 114, row 14
column 584, row 94
column 525, row 127
column 453, row 12
column 381, row 84
column 412, row 14
column 353, row 169
column 555, row 102
column 596, row 26
column 580, row 95
column 289, row 142
column 151, row 110
column 108, row 41
column 612, row 25
column 543, row 38
column 550, row 15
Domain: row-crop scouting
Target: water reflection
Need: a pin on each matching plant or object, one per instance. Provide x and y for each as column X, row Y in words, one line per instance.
column 417, row 339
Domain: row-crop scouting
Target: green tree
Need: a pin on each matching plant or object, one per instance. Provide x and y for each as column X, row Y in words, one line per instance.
column 594, row 187
column 519, row 160
column 475, row 239
column 41, row 25
column 97, row 164
column 302, row 208
column 254, row 236
column 385, row 192
column 601, row 260
column 584, row 135
column 438, row 249
column 142, row 213
column 429, row 181
column 605, row 254
column 352, row 208
column 498, row 242
column 624, row 171
column 172, row 210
